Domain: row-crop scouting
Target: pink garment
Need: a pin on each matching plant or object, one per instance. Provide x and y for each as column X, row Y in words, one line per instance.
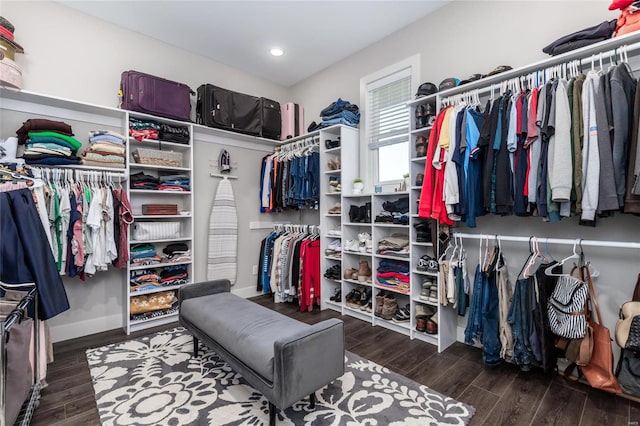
column 126, row 219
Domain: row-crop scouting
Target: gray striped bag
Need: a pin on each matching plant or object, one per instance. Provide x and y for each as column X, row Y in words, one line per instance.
column 567, row 308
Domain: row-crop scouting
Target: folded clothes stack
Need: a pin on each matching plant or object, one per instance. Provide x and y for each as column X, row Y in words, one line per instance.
column 394, row 275
column 149, row 306
column 144, row 254
column 338, row 112
column 141, row 180
column 176, row 252
column 394, row 245
column 174, row 275
column 145, row 279
column 174, row 183
column 143, row 129
column 107, row 149
column 395, row 212
column 48, row 142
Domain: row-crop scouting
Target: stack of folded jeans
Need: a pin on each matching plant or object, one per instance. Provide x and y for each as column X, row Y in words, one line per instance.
column 394, row 245
column 339, row 112
column 143, row 181
column 174, row 183
column 394, row 275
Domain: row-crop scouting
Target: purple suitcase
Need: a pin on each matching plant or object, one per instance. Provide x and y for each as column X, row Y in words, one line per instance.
column 292, row 121
column 154, row 95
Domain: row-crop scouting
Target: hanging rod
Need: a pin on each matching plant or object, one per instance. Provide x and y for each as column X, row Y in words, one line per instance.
column 564, row 241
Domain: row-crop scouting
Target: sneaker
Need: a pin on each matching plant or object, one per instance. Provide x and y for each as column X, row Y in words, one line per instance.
column 428, row 264
column 403, row 314
column 337, row 295
column 424, row 311
column 333, row 248
column 336, row 209
column 432, row 325
column 334, row 232
column 379, row 303
column 433, row 295
column 424, row 295
column 351, row 245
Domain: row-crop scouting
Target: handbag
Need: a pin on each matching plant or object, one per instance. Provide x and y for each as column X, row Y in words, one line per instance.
column 629, row 372
column 599, row 371
column 147, row 231
column 628, row 327
column 567, row 308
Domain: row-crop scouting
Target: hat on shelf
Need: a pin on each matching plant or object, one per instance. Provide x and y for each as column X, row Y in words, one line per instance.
column 448, row 83
column 6, row 35
column 620, row 4
column 426, row 89
column 472, row 77
column 499, row 69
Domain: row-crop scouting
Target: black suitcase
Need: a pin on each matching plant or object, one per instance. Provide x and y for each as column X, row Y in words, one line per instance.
column 229, row 110
column 271, row 119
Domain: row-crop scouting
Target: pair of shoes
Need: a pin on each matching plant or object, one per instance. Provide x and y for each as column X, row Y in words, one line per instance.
column 352, row 246
column 353, row 296
column 334, row 232
column 403, row 314
column 334, row 184
column 426, row 319
column 337, row 295
column 334, row 164
column 364, row 272
column 329, row 144
column 419, row 179
column 360, row 214
column 350, row 274
column 333, row 248
column 333, row 273
column 429, row 292
column 336, row 209
column 427, row 263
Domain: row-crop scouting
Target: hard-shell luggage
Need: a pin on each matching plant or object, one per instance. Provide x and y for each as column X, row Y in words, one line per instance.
column 155, row 95
column 271, row 119
column 292, row 121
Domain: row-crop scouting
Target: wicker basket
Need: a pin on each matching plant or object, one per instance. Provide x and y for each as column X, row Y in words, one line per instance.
column 157, row 158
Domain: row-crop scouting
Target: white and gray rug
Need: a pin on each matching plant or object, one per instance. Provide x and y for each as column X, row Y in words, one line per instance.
column 155, row 380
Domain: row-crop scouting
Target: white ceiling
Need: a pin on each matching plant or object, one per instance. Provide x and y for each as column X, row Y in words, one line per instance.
column 314, row 34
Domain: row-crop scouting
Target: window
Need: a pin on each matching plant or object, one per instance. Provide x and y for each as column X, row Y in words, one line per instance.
column 384, row 95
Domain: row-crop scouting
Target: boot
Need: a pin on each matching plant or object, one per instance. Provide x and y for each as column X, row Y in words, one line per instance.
column 367, row 213
column 364, row 272
column 379, row 303
column 353, row 213
column 348, row 273
column 390, row 308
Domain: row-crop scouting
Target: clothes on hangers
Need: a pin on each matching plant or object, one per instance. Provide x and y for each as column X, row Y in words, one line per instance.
column 290, row 179
column 290, row 266
column 561, row 149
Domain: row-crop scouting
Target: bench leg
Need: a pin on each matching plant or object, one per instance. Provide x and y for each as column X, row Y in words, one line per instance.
column 272, row 414
column 312, row 401
column 195, row 346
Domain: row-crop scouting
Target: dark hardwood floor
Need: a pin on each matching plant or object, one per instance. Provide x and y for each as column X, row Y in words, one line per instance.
column 501, row 396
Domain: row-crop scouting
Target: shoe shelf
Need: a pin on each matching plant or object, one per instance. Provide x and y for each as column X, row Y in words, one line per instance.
column 356, row 253
column 425, row 302
column 421, row 130
column 430, row 274
column 358, row 313
column 416, row 188
column 391, row 225
column 421, row 244
column 333, row 214
column 404, row 328
column 333, row 258
column 393, row 290
column 388, row 256
column 335, row 150
column 358, row 282
column 418, row 159
column 332, row 172
column 425, row 337
column 337, row 306
column 331, row 194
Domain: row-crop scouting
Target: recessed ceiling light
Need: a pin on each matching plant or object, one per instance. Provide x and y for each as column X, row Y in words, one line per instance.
column 276, row 51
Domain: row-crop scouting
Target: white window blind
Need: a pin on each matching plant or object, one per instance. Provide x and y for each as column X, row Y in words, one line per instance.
column 388, row 116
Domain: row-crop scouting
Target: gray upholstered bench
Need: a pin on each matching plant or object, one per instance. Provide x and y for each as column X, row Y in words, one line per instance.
column 284, row 359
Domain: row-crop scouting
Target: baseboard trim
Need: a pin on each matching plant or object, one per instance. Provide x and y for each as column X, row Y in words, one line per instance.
column 84, row 328
column 245, row 292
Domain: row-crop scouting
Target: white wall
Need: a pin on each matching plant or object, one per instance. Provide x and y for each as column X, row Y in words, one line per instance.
column 459, row 39
column 76, row 56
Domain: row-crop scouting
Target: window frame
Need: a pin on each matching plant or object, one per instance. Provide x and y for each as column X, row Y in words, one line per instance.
column 369, row 157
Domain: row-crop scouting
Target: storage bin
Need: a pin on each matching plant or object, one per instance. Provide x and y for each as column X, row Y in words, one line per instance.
column 147, row 231
column 157, row 157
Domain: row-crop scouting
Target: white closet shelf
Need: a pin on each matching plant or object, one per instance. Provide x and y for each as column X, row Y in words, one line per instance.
column 381, row 287
column 331, row 193
column 430, row 274
column 422, row 130
column 357, row 253
column 332, row 172
column 384, row 322
column 333, row 236
column 160, row 265
column 390, row 225
column 386, row 256
column 357, row 195
column 154, row 143
column 415, row 243
column 136, row 325
column 358, row 282
column 429, row 338
column 154, row 167
column 170, row 240
column 159, row 191
column 81, row 167
column 418, row 159
column 358, row 312
column 157, row 290
column 425, row 302
column 333, row 258
column 163, row 216
column 331, row 303
column 332, row 150
column 357, row 224
column 416, row 187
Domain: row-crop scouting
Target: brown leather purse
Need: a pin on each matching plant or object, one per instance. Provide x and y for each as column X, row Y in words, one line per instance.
column 599, row 371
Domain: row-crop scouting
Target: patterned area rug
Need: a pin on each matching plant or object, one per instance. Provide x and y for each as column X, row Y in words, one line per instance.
column 155, row 380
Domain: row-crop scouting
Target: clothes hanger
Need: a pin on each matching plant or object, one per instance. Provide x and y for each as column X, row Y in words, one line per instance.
column 35, row 183
column 574, row 255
